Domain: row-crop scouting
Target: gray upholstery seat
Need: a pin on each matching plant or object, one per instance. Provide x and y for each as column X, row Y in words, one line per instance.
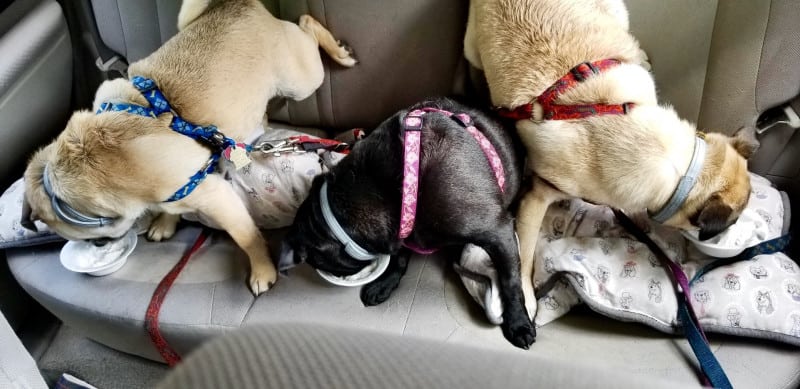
column 210, row 298
column 17, row 367
column 409, row 49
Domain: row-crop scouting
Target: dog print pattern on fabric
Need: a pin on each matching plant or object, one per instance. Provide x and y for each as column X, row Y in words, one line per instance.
column 759, row 272
column 793, row 289
column 629, row 270
column 625, row 300
column 732, row 282
column 654, row 291
column 734, row 317
column 638, row 284
column 795, row 330
column 764, row 303
column 702, row 298
column 788, row 265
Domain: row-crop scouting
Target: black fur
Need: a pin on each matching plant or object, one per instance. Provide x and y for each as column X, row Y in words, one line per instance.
column 459, row 202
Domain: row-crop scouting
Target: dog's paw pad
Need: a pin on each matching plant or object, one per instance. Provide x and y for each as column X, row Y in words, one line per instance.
column 374, row 294
column 262, row 281
column 521, row 333
column 345, row 54
column 162, row 228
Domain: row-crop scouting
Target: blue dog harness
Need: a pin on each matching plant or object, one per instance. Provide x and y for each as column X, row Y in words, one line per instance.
column 207, row 135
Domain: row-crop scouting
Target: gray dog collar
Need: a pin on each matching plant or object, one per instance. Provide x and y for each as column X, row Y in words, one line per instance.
column 350, row 246
column 686, row 183
column 68, row 214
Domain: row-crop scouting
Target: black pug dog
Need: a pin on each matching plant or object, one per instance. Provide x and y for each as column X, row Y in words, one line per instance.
column 459, row 202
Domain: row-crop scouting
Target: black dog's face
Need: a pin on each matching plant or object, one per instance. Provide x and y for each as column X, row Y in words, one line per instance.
column 310, row 240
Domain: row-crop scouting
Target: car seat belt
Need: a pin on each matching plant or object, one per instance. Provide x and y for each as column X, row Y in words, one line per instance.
column 112, row 64
column 784, row 114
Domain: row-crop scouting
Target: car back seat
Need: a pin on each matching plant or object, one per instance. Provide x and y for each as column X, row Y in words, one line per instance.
column 408, row 50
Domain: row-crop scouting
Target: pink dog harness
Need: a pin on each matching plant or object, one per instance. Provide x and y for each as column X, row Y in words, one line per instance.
column 412, row 129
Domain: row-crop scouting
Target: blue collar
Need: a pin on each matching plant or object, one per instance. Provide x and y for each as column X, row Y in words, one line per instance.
column 350, row 246
column 208, row 135
column 65, row 211
column 686, row 183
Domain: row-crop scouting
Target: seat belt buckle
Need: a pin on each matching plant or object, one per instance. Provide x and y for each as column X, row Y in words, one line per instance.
column 114, row 63
column 780, row 115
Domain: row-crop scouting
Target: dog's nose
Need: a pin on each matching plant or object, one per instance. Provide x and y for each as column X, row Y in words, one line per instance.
column 100, row 242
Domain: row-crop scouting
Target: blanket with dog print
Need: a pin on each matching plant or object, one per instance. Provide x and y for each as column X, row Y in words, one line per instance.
column 585, row 256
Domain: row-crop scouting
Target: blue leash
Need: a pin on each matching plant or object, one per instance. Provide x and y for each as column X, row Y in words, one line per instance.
column 771, row 246
column 712, row 370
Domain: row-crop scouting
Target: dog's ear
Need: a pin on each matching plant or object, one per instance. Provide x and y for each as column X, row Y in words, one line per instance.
column 745, row 142
column 712, row 218
column 28, row 216
column 290, row 258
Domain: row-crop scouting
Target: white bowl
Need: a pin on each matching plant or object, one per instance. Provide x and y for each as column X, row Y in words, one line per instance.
column 712, row 249
column 365, row 276
column 85, row 257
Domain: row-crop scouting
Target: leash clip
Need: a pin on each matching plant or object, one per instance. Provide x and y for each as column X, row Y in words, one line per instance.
column 278, row 147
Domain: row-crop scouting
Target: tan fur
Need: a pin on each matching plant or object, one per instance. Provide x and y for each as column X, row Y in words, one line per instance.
column 632, row 162
column 229, row 58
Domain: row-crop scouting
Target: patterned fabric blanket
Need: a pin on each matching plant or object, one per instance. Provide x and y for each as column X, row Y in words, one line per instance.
column 585, row 256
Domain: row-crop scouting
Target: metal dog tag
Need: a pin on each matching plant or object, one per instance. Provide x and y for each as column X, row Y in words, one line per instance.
column 238, row 156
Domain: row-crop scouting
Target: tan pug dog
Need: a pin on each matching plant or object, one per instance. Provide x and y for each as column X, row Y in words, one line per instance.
column 633, row 159
column 227, row 61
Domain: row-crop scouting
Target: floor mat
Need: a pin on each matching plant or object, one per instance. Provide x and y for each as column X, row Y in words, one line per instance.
column 96, row 364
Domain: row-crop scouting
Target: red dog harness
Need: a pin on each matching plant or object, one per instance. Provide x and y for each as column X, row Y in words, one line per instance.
column 552, row 111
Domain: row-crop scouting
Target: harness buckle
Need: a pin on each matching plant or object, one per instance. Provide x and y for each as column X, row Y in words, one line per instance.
column 412, row 123
column 217, row 140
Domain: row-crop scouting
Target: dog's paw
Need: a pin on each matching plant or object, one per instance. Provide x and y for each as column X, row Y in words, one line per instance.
column 262, row 278
column 375, row 293
column 344, row 55
column 519, row 331
column 163, row 227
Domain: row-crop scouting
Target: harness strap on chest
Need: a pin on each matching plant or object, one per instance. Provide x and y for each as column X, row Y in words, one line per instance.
column 412, row 136
column 553, row 111
column 208, row 135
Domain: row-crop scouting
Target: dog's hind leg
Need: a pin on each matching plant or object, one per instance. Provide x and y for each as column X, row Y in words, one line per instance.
column 215, row 199
column 378, row 291
column 163, row 227
column 529, row 221
column 502, row 248
column 340, row 52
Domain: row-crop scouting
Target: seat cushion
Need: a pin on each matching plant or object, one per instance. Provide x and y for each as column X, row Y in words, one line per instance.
column 211, row 297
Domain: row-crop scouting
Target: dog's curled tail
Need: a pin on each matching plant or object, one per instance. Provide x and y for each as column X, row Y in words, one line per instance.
column 190, row 10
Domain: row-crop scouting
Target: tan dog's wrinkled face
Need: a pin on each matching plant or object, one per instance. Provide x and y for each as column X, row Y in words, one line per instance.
column 80, row 183
column 724, row 188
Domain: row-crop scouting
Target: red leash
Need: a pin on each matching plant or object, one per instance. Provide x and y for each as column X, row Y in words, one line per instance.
column 151, row 316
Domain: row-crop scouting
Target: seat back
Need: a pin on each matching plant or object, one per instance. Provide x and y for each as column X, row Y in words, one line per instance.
column 407, row 50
